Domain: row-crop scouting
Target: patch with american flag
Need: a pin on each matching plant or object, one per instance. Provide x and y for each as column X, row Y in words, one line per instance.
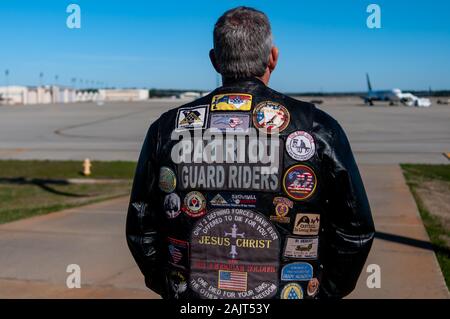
column 178, row 252
column 299, row 182
column 232, row 280
column 231, row 102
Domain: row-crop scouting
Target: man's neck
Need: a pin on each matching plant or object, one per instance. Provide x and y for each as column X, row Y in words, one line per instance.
column 266, row 77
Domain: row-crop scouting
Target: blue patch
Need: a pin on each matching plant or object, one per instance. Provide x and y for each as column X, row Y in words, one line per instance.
column 297, row 272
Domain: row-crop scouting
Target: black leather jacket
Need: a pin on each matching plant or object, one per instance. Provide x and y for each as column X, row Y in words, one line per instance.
column 296, row 226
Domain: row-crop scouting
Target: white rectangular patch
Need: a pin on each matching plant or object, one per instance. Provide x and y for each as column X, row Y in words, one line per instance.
column 301, row 248
column 230, row 122
column 306, row 224
column 189, row 118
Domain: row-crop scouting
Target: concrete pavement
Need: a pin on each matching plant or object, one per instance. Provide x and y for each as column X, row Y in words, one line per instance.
column 409, row 268
column 115, row 131
column 35, row 252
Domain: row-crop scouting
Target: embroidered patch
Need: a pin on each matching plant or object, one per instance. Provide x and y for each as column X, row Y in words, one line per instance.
column 301, row 248
column 232, row 177
column 194, row 204
column 172, row 205
column 297, row 272
column 141, row 208
column 230, row 122
column 300, row 146
column 268, row 116
column 191, row 117
column 238, row 163
column 232, row 280
column 178, row 252
column 282, row 206
column 313, row 287
column 292, row 291
column 241, row 242
column 299, row 182
column 177, row 283
column 234, row 200
column 306, row 224
column 167, row 180
column 231, row 102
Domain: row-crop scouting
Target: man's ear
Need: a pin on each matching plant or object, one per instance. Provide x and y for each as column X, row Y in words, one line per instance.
column 273, row 59
column 212, row 57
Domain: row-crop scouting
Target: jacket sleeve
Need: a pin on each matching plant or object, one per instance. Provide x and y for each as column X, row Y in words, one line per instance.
column 348, row 225
column 142, row 233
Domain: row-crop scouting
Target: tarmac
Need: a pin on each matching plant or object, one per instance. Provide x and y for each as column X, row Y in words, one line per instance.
column 35, row 252
column 115, row 131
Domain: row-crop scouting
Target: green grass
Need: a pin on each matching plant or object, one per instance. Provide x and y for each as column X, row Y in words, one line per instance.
column 414, row 175
column 35, row 196
column 65, row 169
column 427, row 171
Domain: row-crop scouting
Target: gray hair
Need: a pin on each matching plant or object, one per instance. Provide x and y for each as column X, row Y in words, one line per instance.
column 242, row 43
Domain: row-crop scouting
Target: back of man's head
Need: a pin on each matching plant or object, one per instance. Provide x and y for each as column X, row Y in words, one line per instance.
column 242, row 43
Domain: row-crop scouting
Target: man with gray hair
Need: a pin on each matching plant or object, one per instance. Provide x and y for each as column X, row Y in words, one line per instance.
column 243, row 45
column 211, row 218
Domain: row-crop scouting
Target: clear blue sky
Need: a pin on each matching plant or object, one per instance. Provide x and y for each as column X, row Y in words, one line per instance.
column 324, row 45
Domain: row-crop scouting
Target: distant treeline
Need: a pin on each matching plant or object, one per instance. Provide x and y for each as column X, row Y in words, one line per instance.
column 175, row 92
column 417, row 93
column 169, row 92
column 431, row 93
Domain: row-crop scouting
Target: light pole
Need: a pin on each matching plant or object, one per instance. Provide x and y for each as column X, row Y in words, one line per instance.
column 41, row 76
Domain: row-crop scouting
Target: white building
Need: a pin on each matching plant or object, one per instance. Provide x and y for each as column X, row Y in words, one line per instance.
column 87, row 96
column 189, row 95
column 13, row 95
column 123, row 95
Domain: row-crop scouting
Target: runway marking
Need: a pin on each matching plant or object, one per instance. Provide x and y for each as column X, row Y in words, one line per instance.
column 60, row 131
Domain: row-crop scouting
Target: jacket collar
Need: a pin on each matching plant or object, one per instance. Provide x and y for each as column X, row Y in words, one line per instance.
column 253, row 81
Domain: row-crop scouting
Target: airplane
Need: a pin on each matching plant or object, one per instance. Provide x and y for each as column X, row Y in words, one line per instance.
column 393, row 96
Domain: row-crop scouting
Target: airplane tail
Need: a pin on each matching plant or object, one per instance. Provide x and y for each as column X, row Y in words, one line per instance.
column 369, row 86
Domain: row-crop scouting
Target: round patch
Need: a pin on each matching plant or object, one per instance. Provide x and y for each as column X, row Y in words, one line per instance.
column 167, row 180
column 313, row 287
column 194, row 204
column 299, row 182
column 177, row 283
column 234, row 255
column 172, row 205
column 300, row 146
column 292, row 291
column 268, row 116
column 282, row 206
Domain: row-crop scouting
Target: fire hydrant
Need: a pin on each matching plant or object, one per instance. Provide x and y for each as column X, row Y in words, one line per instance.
column 87, row 167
